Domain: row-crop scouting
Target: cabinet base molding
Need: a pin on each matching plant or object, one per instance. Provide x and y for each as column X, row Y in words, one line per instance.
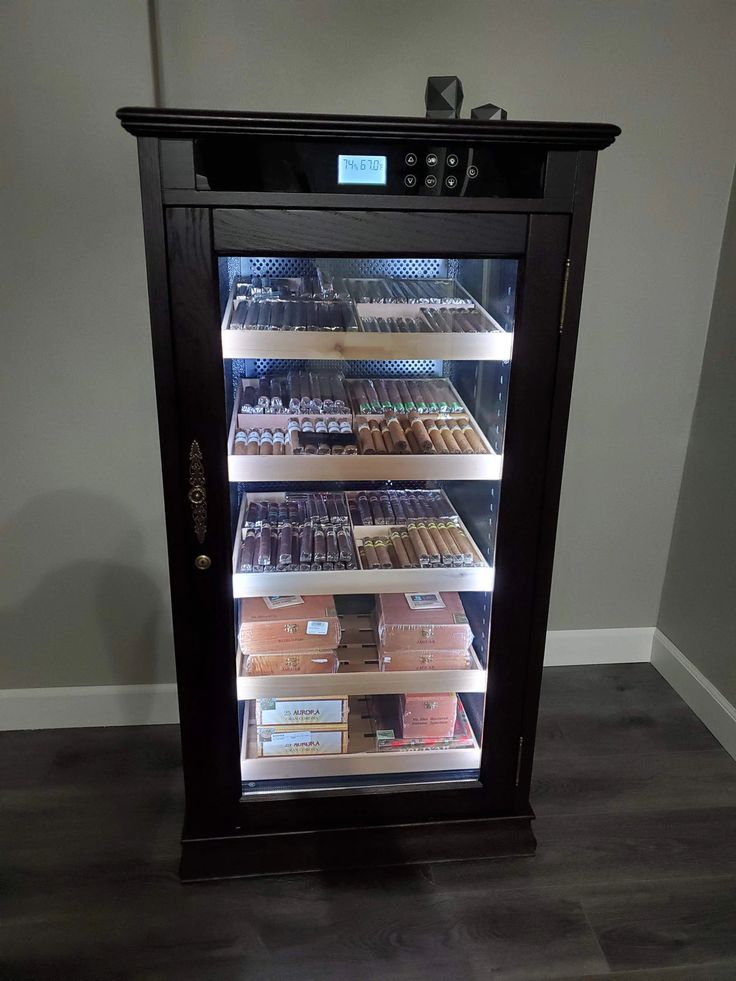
column 234, row 856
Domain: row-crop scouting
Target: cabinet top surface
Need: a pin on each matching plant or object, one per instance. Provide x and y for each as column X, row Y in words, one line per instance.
column 190, row 123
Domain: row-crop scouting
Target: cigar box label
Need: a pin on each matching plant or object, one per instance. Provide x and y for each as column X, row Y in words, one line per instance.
column 301, row 711
column 424, row 601
column 278, row 602
column 385, row 734
column 459, row 618
column 317, row 628
column 301, row 743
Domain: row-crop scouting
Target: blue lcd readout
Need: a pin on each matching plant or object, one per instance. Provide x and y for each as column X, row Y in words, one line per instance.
column 357, row 168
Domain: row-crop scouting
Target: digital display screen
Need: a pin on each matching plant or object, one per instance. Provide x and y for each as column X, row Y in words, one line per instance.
column 356, row 168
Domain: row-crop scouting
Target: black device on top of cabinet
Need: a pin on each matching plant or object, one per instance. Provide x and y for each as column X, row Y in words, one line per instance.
column 360, row 526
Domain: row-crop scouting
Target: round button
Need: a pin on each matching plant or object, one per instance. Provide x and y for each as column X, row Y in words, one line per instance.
column 472, row 171
column 450, row 181
column 410, row 180
column 452, row 160
column 430, row 181
column 431, row 160
column 410, row 159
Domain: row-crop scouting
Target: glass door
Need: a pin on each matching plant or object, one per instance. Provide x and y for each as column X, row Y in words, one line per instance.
column 366, row 400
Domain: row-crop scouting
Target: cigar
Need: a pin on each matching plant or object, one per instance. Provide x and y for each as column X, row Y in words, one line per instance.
column 418, row 545
column 460, row 439
column 394, row 396
column 284, row 541
column 388, row 511
column 409, row 548
column 406, row 396
column 376, row 510
column 449, row 439
column 462, row 543
column 253, row 445
column 397, row 435
column 278, row 442
column 365, row 440
column 397, row 505
column 264, row 544
column 420, row 433
column 432, row 550
column 331, row 548
column 306, row 538
column 344, row 545
column 371, row 559
column 402, row 556
column 471, row 435
column 247, row 551
column 434, row 435
column 364, row 509
column 378, row 444
column 266, row 443
column 445, row 554
column 320, row 545
column 382, row 394
column 411, row 440
column 382, row 556
column 241, row 442
column 449, row 543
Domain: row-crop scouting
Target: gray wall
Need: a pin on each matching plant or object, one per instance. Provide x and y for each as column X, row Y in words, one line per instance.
column 698, row 609
column 83, row 585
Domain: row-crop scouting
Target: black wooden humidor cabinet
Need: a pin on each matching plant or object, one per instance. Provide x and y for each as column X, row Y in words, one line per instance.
column 507, row 204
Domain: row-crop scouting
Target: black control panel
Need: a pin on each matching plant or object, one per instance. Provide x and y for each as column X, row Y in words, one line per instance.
column 411, row 169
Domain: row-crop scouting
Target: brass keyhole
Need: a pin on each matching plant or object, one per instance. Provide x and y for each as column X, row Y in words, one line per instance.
column 203, row 562
column 197, row 494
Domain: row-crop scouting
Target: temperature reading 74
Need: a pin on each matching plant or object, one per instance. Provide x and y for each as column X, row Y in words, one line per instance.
column 355, row 168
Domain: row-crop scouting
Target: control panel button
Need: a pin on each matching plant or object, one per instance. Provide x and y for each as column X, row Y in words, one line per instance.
column 431, row 160
column 452, row 160
column 410, row 180
column 450, row 181
column 430, row 181
column 472, row 171
column 410, row 159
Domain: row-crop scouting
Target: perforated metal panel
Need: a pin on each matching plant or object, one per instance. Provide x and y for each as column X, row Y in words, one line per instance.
column 294, row 266
column 354, row 369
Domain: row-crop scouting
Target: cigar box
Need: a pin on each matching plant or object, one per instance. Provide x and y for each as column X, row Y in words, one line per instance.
column 422, row 622
column 429, row 716
column 309, row 623
column 385, row 712
column 299, row 741
column 317, row 710
column 424, row 660
column 308, row 662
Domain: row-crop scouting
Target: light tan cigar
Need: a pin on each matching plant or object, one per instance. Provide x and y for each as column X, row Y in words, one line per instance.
column 380, row 545
column 397, row 435
column 278, row 442
column 470, row 434
column 449, row 542
column 439, row 543
column 432, row 550
column 418, row 545
column 463, row 544
column 460, row 439
column 421, row 434
column 370, row 554
column 266, row 444
column 389, row 443
column 411, row 553
column 240, row 447
column 434, row 435
column 449, row 439
column 411, row 441
column 253, row 447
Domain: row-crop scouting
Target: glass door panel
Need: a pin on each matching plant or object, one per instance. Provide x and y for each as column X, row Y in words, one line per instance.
column 367, row 401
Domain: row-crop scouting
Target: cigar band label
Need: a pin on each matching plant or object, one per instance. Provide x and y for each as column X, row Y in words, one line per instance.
column 317, row 627
column 385, row 734
column 460, row 618
column 290, row 628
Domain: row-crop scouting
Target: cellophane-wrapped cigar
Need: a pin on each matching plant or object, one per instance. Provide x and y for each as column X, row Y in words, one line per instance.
column 284, row 540
column 399, row 550
column 320, row 546
column 432, row 550
column 248, row 398
column 420, row 433
column 371, row 559
column 409, row 548
column 380, row 387
column 240, row 444
column 462, row 543
column 247, row 551
column 364, row 509
column 266, row 443
column 264, row 545
column 470, row 435
column 418, row 545
column 397, row 435
column 345, row 545
column 450, row 548
column 378, row 445
column 407, row 396
column 278, row 442
column 253, row 446
column 394, row 396
column 306, row 543
column 331, row 548
column 434, row 434
column 376, row 510
column 446, row 555
column 449, row 439
column 382, row 556
column 386, row 507
column 365, row 440
column 397, row 505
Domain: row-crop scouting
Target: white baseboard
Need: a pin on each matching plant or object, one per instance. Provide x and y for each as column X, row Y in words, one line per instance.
column 619, row 645
column 106, row 705
column 706, row 701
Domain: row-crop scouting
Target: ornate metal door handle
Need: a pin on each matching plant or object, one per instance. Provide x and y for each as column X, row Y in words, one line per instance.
column 197, row 491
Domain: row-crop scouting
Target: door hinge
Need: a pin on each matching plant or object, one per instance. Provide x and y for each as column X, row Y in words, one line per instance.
column 518, row 760
column 563, row 305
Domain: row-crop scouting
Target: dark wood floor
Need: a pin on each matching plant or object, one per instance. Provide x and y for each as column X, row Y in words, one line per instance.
column 634, row 878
